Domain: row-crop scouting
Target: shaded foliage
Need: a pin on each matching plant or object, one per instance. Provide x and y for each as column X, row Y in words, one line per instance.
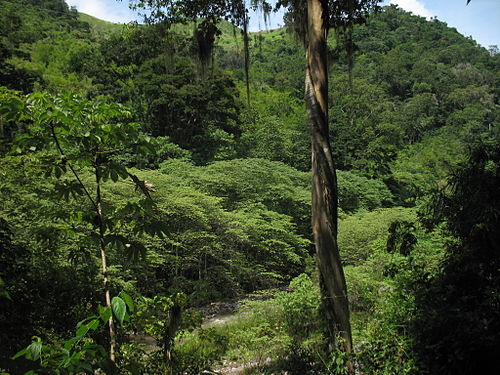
column 466, row 291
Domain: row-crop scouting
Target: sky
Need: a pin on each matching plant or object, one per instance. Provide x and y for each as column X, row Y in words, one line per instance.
column 480, row 19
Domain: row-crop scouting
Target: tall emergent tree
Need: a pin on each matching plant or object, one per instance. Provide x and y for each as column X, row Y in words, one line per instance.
column 324, row 183
column 312, row 19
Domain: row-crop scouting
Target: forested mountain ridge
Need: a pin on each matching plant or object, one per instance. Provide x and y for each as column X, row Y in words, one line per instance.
column 222, row 206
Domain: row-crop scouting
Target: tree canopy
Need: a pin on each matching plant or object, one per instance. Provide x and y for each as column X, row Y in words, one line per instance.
column 119, row 138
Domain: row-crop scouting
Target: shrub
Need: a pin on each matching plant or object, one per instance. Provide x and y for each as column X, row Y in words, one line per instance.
column 358, row 232
column 199, row 351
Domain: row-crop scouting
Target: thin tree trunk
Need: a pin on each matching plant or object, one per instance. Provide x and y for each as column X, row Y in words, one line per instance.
column 324, row 180
column 102, row 249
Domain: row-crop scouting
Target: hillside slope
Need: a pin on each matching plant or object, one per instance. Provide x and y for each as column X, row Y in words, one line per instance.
column 100, row 27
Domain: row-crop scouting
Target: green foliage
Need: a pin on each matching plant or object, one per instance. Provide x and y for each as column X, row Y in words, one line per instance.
column 159, row 80
column 274, row 62
column 466, row 289
column 119, row 308
column 51, row 60
column 421, row 96
column 99, row 27
column 28, row 58
column 407, row 83
column 362, row 135
column 266, row 334
column 3, row 291
column 154, row 315
column 207, row 251
column 46, row 297
column 256, row 333
column 86, row 134
column 90, row 131
column 200, row 352
column 357, row 193
column 386, row 352
column 261, row 244
column 284, row 333
column 301, row 308
column 165, row 149
column 382, row 299
column 424, row 166
column 250, row 182
column 79, row 354
column 10, row 106
column 274, row 128
column 382, row 293
column 358, row 232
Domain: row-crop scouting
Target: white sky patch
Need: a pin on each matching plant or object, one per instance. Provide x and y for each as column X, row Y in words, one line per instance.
column 414, row 6
column 108, row 10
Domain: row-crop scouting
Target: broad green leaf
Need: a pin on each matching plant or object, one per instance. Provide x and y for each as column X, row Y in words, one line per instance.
column 82, row 322
column 122, row 171
column 82, row 331
column 119, row 308
column 34, row 350
column 84, row 328
column 68, row 344
column 104, row 313
column 93, row 324
column 20, row 353
column 128, row 300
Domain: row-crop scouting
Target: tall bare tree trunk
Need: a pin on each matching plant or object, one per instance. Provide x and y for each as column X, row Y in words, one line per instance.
column 324, row 180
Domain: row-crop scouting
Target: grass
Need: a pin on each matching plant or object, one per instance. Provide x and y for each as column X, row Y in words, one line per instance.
column 100, row 27
column 253, row 338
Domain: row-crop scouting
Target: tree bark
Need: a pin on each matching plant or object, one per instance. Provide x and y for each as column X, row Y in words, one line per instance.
column 324, row 180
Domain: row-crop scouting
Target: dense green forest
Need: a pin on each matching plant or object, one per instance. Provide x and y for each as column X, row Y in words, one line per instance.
column 140, row 181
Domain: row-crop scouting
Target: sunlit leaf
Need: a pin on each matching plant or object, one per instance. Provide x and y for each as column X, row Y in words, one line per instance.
column 84, row 328
column 119, row 308
column 128, row 300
